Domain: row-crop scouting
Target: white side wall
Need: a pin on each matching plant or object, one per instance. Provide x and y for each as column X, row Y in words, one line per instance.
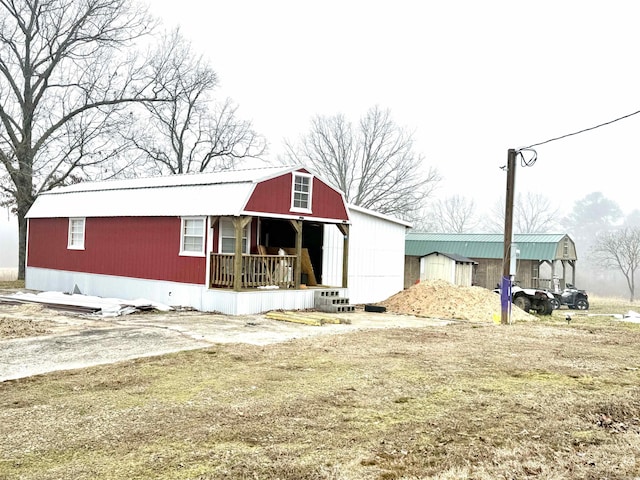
column 464, row 275
column 376, row 257
column 441, row 267
column 171, row 293
column 437, row 267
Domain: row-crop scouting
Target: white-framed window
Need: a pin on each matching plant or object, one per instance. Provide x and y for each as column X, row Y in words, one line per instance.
column 301, row 190
column 227, row 243
column 76, row 234
column 192, row 236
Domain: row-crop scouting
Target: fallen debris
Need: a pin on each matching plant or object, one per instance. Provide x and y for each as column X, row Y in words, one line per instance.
column 83, row 304
column 307, row 318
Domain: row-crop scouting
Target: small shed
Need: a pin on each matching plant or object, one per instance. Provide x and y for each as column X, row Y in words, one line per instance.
column 451, row 267
column 542, row 259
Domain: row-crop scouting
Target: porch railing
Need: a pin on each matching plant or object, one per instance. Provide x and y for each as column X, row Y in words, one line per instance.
column 257, row 271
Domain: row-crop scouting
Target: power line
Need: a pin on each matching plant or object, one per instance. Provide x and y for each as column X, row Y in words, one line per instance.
column 582, row 131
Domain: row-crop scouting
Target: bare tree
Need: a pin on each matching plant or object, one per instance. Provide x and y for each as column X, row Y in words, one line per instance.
column 374, row 163
column 454, row 214
column 532, row 213
column 191, row 132
column 620, row 250
column 67, row 71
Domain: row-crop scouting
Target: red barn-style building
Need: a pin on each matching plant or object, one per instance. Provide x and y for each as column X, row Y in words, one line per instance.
column 236, row 242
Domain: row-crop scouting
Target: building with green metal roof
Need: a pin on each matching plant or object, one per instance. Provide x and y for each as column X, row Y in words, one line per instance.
column 541, row 256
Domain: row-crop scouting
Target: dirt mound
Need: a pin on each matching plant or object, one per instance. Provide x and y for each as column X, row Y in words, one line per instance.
column 441, row 299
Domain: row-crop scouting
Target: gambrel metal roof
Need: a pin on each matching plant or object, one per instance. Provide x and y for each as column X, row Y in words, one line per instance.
column 220, row 193
column 532, row 246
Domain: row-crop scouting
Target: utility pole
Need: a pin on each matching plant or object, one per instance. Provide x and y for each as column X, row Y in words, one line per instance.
column 505, row 287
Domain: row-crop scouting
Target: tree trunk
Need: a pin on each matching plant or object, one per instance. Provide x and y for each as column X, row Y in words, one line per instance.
column 22, row 240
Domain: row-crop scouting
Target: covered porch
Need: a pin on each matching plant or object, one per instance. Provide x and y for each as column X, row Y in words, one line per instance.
column 267, row 267
column 557, row 281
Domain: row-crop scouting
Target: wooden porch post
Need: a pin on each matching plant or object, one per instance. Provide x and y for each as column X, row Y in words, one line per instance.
column 213, row 221
column 344, row 228
column 573, row 272
column 238, row 224
column 297, row 272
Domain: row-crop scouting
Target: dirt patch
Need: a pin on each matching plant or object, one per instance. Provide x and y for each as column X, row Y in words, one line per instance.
column 440, row 299
column 18, row 321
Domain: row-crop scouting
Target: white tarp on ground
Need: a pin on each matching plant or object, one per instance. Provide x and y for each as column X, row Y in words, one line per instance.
column 106, row 307
column 631, row 316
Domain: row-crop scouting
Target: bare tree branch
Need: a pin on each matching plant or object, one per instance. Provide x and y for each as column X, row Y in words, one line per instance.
column 532, row 213
column 191, row 132
column 454, row 214
column 374, row 165
column 620, row 250
column 67, row 72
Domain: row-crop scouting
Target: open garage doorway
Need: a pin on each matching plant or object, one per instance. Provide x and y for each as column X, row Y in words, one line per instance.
column 274, row 234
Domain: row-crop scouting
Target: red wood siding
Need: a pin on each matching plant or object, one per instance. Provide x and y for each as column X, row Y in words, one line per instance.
column 138, row 247
column 274, row 196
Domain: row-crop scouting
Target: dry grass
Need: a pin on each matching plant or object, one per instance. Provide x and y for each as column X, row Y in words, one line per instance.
column 538, row 399
column 8, row 274
column 11, row 284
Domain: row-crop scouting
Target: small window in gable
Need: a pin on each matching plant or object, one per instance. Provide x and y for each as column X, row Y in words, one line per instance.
column 192, row 237
column 301, row 192
column 76, row 234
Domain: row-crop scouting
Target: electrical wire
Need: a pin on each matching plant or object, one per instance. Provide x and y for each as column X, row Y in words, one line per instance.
column 524, row 161
column 531, row 160
column 581, row 131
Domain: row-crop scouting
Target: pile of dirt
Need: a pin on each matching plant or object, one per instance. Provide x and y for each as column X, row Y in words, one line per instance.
column 441, row 299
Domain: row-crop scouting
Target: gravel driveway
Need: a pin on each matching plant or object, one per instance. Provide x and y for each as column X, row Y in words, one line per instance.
column 77, row 342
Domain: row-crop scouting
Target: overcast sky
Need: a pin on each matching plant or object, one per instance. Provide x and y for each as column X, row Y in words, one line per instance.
column 471, row 78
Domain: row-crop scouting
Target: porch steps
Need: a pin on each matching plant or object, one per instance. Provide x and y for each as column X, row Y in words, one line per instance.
column 330, row 301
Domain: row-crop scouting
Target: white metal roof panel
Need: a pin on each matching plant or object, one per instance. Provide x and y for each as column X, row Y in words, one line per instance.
column 250, row 175
column 183, row 200
column 378, row 215
column 219, row 193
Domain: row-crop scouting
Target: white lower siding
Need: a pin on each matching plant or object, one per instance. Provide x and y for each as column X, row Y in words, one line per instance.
column 171, row 293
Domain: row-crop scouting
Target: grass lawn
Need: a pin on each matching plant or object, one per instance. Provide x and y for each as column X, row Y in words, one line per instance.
column 540, row 399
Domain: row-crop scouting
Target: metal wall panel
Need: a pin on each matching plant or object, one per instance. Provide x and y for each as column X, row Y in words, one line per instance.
column 173, row 294
column 146, row 247
column 274, row 197
column 169, row 293
column 376, row 257
column 437, row 267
